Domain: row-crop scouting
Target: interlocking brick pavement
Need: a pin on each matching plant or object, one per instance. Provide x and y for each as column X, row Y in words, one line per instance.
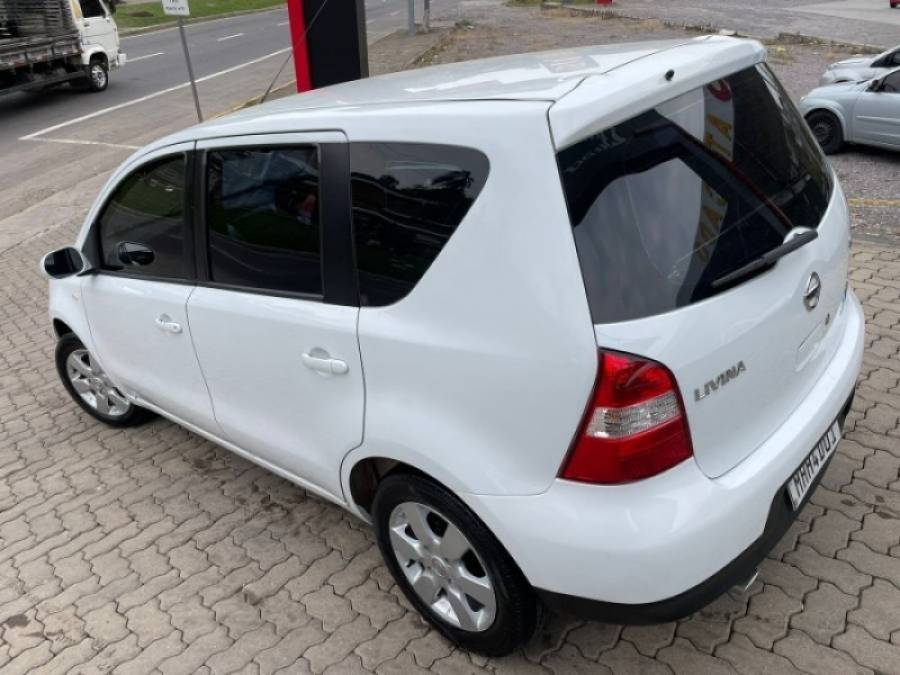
column 152, row 550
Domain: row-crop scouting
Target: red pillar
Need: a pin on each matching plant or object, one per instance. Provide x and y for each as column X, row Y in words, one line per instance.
column 298, row 41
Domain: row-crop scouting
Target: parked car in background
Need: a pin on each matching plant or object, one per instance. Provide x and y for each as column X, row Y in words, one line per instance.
column 866, row 112
column 861, row 68
column 44, row 43
column 569, row 329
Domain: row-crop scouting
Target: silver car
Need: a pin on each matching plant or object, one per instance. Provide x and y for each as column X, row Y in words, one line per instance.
column 865, row 112
column 861, row 67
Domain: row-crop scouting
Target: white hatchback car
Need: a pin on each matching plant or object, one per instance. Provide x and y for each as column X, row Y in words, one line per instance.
column 570, row 329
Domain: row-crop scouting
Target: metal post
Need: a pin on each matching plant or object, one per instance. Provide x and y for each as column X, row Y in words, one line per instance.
column 412, row 17
column 187, row 57
column 426, row 15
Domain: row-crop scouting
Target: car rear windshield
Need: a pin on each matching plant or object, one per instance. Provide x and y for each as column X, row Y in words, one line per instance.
column 664, row 204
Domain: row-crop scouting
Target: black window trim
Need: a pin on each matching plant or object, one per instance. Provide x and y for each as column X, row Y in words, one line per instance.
column 94, row 251
column 339, row 276
column 339, row 285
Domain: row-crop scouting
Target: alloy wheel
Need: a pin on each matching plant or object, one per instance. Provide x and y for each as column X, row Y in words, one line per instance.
column 442, row 567
column 93, row 386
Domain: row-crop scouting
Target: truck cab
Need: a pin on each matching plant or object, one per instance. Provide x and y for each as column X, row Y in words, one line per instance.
column 100, row 40
column 47, row 43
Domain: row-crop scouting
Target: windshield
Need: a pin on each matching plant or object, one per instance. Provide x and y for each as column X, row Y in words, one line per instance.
column 664, row 204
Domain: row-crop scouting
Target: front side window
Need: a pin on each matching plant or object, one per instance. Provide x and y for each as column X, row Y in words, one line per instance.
column 263, row 218
column 891, row 83
column 407, row 199
column 668, row 203
column 92, row 8
column 147, row 209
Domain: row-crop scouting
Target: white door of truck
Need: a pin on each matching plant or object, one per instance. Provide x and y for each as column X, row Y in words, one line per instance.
column 98, row 28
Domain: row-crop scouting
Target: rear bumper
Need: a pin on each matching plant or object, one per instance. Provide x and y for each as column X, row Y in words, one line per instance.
column 742, row 568
column 663, row 547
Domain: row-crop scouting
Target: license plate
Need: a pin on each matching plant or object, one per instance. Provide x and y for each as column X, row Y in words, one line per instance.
column 815, row 461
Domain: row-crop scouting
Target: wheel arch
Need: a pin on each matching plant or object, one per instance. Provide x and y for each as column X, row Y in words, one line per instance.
column 824, row 106
column 363, row 472
column 94, row 53
column 61, row 328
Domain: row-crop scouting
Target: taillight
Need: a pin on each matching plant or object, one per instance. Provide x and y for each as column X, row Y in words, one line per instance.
column 635, row 425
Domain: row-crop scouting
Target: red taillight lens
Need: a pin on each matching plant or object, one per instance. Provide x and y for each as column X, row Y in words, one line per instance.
column 634, row 427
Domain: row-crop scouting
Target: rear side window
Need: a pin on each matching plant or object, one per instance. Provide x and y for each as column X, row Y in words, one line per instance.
column 148, row 208
column 262, row 213
column 667, row 203
column 408, row 199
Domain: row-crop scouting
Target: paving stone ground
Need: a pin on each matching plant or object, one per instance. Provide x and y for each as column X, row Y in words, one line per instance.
column 153, row 551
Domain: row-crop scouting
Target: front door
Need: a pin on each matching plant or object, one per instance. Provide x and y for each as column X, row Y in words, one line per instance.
column 876, row 116
column 137, row 307
column 277, row 344
column 98, row 27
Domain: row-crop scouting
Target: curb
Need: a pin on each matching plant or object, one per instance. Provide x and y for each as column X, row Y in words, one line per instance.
column 790, row 38
column 800, row 38
column 128, row 32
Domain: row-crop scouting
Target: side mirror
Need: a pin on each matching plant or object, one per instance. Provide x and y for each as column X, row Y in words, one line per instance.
column 65, row 262
column 875, row 85
column 134, row 254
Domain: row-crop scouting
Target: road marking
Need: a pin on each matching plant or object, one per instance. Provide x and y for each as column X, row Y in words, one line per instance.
column 860, row 201
column 75, row 141
column 145, row 56
column 282, row 23
column 156, row 94
column 230, row 37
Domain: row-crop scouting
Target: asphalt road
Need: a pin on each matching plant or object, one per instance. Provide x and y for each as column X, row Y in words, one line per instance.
column 156, row 62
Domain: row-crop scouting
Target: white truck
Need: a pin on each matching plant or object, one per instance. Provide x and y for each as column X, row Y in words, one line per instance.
column 44, row 43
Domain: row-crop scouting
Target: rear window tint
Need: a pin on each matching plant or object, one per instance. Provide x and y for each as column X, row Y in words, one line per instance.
column 408, row 199
column 667, row 202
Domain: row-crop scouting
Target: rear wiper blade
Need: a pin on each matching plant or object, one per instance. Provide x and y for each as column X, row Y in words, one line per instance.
column 766, row 259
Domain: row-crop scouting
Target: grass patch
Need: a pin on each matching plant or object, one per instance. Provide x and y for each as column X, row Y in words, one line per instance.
column 143, row 14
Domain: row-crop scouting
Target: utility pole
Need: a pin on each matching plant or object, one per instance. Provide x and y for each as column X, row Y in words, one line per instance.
column 426, row 15
column 412, row 17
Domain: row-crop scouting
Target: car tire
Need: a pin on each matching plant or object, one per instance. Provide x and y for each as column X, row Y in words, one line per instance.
column 90, row 388
column 826, row 128
column 454, row 572
column 96, row 77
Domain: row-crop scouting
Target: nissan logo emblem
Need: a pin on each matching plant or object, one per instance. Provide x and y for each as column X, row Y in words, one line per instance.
column 813, row 291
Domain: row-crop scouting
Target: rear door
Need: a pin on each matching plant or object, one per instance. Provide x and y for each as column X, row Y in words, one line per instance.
column 667, row 206
column 274, row 317
column 876, row 115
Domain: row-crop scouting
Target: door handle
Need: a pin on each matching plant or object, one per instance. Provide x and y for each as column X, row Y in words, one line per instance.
column 164, row 322
column 324, row 364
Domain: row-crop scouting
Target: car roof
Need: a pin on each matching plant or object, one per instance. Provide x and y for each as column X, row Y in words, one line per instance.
column 547, row 76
